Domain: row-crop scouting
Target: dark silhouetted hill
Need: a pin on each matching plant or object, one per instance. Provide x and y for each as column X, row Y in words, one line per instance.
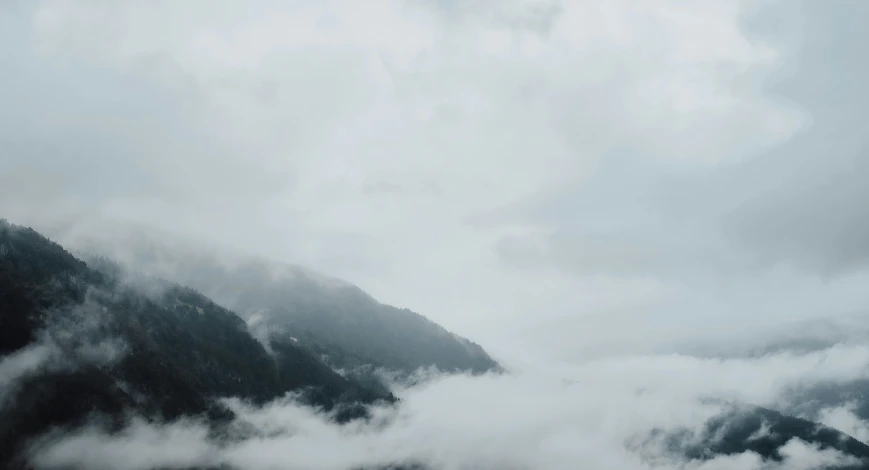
column 80, row 343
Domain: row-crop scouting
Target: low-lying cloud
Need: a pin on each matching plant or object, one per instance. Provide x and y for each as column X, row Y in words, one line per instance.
column 71, row 338
column 592, row 414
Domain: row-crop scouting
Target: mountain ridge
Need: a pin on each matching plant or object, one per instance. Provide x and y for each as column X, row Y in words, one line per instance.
column 289, row 301
column 176, row 351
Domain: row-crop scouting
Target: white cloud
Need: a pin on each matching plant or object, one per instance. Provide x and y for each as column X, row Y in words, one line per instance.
column 846, row 420
column 68, row 340
column 140, row 446
column 19, row 366
column 526, row 420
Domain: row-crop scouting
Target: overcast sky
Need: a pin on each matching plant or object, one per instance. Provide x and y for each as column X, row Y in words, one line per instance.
column 550, row 177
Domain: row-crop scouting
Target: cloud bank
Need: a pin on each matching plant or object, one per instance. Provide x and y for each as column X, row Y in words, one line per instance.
column 594, row 413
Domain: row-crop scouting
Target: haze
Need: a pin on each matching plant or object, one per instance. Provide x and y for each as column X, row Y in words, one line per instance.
column 557, row 181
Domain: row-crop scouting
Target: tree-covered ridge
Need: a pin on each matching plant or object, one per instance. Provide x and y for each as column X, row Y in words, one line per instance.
column 352, row 329
column 36, row 274
column 169, row 351
column 322, row 313
column 742, row 428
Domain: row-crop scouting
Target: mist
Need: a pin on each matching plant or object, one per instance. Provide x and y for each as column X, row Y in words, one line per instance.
column 597, row 414
column 72, row 339
column 649, row 214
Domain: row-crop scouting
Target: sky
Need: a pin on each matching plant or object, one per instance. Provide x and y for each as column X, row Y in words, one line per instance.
column 550, row 179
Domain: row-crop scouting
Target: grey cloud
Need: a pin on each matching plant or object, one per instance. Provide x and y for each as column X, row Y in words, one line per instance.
column 812, row 210
column 737, row 240
column 820, row 223
column 537, row 17
column 526, row 173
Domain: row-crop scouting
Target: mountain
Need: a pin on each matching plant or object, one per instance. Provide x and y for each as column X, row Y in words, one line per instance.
column 332, row 318
column 740, row 428
column 79, row 344
column 95, row 343
column 337, row 320
column 801, row 337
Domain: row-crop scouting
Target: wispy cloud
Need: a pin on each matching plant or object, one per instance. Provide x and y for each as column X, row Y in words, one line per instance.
column 72, row 338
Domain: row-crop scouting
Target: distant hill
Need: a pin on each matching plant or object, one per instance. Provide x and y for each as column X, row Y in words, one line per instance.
column 743, row 428
column 328, row 316
column 803, row 337
column 338, row 320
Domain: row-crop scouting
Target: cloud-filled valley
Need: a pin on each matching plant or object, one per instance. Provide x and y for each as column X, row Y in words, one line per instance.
column 515, row 234
column 522, row 420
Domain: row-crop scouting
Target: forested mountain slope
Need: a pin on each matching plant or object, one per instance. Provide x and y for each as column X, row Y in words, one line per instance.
column 326, row 315
column 78, row 343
